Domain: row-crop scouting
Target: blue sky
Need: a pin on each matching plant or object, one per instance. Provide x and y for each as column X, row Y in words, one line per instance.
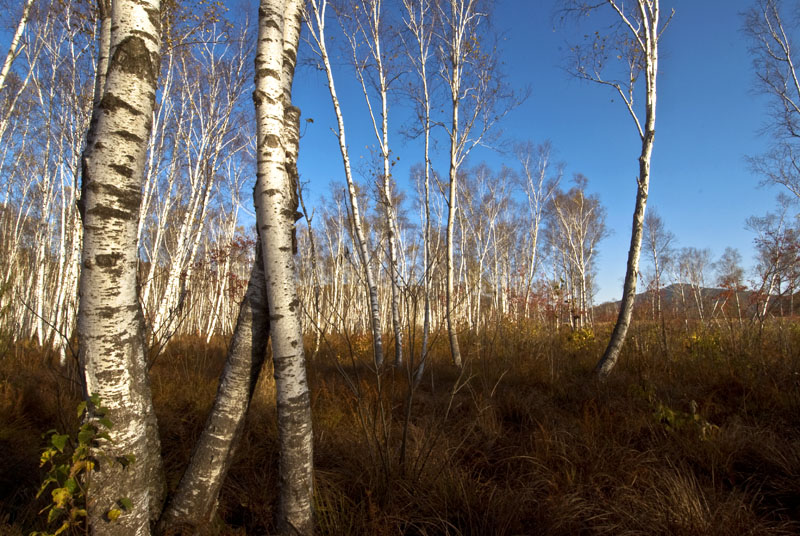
column 708, row 120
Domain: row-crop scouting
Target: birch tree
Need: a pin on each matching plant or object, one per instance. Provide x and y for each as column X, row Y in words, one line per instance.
column 418, row 22
column 110, row 323
column 773, row 49
column 16, row 44
column 539, row 179
column 315, row 14
column 275, row 196
column 634, row 42
column 195, row 501
column 576, row 224
column 372, row 62
column 659, row 246
column 468, row 69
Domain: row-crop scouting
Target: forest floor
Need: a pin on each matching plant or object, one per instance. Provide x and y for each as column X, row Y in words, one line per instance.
column 701, row 439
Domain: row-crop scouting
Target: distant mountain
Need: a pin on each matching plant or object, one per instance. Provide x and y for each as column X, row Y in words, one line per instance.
column 680, row 297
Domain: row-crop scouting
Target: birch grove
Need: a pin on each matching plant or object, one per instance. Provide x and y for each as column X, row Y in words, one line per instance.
column 132, row 132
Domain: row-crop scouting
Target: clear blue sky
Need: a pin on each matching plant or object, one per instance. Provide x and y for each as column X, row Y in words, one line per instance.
column 708, row 120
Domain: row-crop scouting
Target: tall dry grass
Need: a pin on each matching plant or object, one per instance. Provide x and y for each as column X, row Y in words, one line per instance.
column 702, row 440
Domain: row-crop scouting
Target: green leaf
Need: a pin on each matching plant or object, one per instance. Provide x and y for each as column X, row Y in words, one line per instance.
column 106, row 422
column 54, row 514
column 85, row 436
column 59, row 441
column 81, row 408
column 126, row 503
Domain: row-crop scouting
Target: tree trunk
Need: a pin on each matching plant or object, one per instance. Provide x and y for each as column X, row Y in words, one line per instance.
column 195, row 500
column 15, row 47
column 278, row 134
column 359, row 239
column 449, row 305
column 648, row 39
column 110, row 323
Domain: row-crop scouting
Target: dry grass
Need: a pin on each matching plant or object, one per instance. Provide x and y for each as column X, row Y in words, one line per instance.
column 703, row 440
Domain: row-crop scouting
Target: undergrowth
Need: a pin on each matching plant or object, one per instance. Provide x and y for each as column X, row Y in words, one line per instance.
column 703, row 438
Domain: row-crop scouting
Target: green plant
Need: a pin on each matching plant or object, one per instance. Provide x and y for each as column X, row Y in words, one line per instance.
column 70, row 463
column 679, row 421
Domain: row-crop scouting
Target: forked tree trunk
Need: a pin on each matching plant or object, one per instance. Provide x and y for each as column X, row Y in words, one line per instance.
column 110, row 323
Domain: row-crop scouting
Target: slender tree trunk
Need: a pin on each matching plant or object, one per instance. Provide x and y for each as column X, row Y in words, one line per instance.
column 15, row 46
column 110, row 323
column 316, row 17
column 649, row 41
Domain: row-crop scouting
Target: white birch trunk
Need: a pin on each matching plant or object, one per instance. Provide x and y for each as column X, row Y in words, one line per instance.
column 275, row 197
column 647, row 38
column 194, row 503
column 110, row 324
column 14, row 47
column 317, row 28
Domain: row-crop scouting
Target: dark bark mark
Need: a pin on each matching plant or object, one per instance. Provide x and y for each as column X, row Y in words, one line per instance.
column 272, row 191
column 125, row 171
column 131, row 56
column 258, row 97
column 108, row 260
column 144, row 35
column 155, row 18
column 128, row 136
column 267, row 73
column 270, row 21
column 127, row 198
column 111, row 102
column 104, row 213
column 295, row 418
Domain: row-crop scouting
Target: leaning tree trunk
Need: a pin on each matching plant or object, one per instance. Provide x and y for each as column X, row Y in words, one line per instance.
column 195, row 501
column 15, row 47
column 110, row 323
column 649, row 44
column 278, row 135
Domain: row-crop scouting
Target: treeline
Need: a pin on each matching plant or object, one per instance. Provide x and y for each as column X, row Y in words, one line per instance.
column 524, row 239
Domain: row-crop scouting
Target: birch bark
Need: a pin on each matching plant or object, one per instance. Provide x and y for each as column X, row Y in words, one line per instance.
column 110, row 323
column 642, row 24
column 195, row 500
column 316, row 25
column 278, row 135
